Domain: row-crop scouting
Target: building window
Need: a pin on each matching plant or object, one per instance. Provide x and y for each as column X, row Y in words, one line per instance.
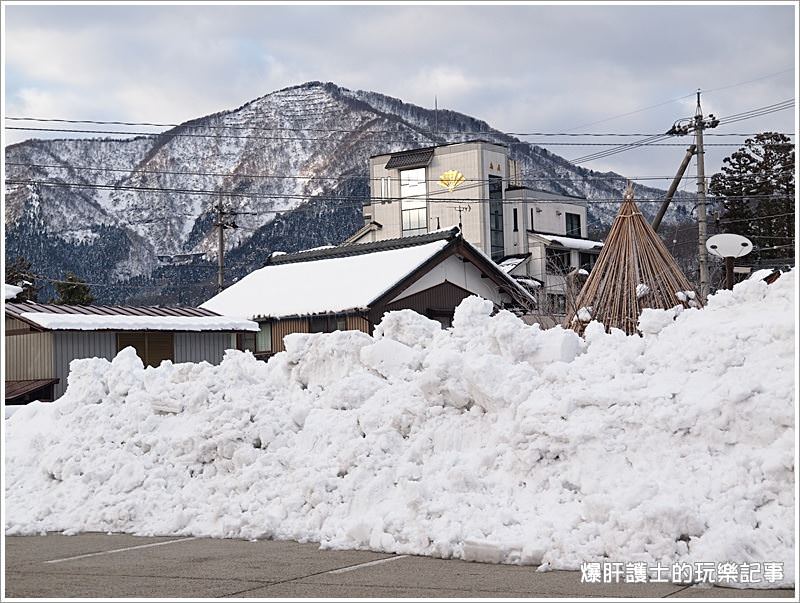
column 153, row 348
column 587, row 260
column 515, row 220
column 257, row 342
column 557, row 303
column 264, row 338
column 496, row 234
column 386, row 188
column 558, row 260
column 327, row 324
column 573, row 225
column 413, row 202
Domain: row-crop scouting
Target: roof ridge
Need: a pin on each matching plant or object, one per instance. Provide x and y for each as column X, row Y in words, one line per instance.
column 351, row 249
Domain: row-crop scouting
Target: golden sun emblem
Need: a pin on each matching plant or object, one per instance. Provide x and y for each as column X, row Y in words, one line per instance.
column 451, row 179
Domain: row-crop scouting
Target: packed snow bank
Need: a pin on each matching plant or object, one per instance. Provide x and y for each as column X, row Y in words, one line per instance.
column 491, row 440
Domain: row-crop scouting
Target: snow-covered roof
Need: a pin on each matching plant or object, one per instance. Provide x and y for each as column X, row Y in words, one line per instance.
column 124, row 318
column 11, row 291
column 97, row 322
column 571, row 242
column 325, row 285
column 508, row 264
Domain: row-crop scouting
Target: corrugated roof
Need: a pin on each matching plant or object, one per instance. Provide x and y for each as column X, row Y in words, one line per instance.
column 14, row 309
column 362, row 248
column 17, row 389
column 409, row 159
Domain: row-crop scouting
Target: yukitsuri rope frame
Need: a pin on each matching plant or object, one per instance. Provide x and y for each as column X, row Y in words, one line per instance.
column 634, row 271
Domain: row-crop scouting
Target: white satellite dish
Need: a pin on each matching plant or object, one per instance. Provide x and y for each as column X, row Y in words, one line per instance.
column 729, row 245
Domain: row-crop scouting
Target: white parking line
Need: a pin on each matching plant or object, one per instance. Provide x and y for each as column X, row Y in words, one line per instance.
column 369, row 563
column 127, row 548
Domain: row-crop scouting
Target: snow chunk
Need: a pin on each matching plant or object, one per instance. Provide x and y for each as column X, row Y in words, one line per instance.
column 11, row 291
column 642, row 290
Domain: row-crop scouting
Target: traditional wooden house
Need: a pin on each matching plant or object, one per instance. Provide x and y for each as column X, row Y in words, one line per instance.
column 351, row 286
column 42, row 339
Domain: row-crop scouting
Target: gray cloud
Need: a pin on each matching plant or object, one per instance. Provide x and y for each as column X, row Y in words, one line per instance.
column 520, row 68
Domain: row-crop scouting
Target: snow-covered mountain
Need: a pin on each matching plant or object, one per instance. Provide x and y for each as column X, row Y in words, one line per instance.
column 293, row 164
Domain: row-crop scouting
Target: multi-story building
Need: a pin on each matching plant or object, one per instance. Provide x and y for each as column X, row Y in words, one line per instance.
column 536, row 236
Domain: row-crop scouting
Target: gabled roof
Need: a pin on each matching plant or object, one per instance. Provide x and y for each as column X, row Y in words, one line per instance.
column 349, row 278
column 447, row 234
column 123, row 318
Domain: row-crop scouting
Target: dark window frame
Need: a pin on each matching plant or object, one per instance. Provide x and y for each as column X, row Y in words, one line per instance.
column 557, row 259
column 570, row 229
column 496, row 224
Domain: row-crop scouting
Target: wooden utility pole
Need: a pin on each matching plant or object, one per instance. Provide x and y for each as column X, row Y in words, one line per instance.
column 220, row 246
column 674, row 186
column 702, row 220
column 682, row 127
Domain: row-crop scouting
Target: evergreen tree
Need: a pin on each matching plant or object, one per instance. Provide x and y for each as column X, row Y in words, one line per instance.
column 19, row 273
column 73, row 291
column 756, row 189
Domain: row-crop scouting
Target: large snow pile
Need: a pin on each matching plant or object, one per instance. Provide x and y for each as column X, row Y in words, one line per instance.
column 537, row 446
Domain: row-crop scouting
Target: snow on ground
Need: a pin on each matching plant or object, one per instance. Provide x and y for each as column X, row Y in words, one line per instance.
column 536, row 446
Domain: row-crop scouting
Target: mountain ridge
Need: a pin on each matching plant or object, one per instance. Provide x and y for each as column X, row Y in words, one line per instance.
column 298, row 188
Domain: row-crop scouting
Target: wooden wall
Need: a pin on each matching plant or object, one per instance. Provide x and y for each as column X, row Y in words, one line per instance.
column 434, row 302
column 282, row 328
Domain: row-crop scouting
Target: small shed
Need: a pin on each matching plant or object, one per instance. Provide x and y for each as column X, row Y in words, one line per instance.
column 351, row 286
column 42, row 339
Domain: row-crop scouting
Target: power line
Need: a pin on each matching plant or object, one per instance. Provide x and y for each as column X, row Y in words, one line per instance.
column 653, row 143
column 135, row 171
column 343, row 197
column 332, row 130
column 653, row 140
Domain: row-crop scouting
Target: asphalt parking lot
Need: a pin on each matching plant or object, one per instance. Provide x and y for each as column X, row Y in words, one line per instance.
column 102, row 565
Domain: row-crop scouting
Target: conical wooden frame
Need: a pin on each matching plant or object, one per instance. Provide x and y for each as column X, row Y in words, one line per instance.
column 634, row 271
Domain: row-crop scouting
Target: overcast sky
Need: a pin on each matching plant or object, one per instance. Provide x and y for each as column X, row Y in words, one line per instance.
column 520, row 68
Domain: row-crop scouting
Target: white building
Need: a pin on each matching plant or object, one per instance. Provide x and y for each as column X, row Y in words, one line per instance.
column 536, row 236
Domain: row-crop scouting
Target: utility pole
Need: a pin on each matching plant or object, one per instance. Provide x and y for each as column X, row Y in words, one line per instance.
column 674, row 186
column 221, row 224
column 702, row 220
column 220, row 245
column 697, row 124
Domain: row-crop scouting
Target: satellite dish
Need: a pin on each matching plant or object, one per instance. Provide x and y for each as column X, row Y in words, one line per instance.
column 729, row 245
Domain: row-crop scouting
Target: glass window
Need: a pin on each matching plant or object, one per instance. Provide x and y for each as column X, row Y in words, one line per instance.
column 327, row 324
column 247, row 341
column 558, row 260
column 573, row 225
column 264, row 337
column 557, row 303
column 413, row 202
column 516, row 228
column 496, row 217
column 587, row 260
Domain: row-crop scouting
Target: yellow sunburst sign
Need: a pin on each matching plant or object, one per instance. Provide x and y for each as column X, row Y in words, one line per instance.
column 451, row 179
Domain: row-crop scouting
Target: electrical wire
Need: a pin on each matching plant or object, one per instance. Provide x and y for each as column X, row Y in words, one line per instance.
column 375, row 201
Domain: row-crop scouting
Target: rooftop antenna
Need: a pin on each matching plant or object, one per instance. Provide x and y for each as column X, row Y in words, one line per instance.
column 461, row 209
